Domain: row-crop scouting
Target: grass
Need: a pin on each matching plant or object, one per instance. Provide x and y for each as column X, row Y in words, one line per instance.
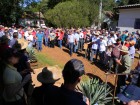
column 45, row 60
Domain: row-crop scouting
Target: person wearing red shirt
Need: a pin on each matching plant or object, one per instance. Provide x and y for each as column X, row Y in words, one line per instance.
column 60, row 38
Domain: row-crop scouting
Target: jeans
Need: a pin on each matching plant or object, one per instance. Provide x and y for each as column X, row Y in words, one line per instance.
column 46, row 41
column 93, row 52
column 71, row 48
column 39, row 45
column 81, row 42
column 113, row 62
column 76, row 47
column 60, row 43
column 101, row 55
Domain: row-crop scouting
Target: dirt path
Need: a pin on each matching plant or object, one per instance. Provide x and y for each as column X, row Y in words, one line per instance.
column 61, row 56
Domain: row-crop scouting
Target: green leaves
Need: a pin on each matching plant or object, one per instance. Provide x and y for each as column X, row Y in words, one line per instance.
column 69, row 14
column 96, row 91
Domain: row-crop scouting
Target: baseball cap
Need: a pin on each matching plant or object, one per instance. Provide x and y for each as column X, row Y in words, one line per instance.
column 126, row 30
column 73, row 69
column 130, row 93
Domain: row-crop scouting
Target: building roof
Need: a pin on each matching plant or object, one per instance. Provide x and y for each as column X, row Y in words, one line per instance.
column 128, row 6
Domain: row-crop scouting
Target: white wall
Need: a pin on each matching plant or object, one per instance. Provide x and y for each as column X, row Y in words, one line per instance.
column 127, row 19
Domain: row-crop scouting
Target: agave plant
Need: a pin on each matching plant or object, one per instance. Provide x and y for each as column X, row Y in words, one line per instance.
column 97, row 92
column 32, row 56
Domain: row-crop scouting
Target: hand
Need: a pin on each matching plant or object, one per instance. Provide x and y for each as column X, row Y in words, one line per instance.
column 118, row 62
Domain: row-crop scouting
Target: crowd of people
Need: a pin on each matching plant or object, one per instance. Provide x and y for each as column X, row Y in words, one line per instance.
column 116, row 53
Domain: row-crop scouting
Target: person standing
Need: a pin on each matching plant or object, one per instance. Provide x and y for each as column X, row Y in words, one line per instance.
column 52, row 37
column 81, row 40
column 60, row 38
column 14, row 40
column 39, row 36
column 72, row 72
column 76, row 43
column 46, row 35
column 47, row 92
column 95, row 40
column 102, row 49
column 115, row 55
column 123, row 37
column 13, row 93
column 124, row 67
column 132, row 51
column 71, row 41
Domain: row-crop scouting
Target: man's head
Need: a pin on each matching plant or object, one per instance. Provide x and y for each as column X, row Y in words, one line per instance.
column 118, row 41
column 130, row 95
column 72, row 71
column 15, row 35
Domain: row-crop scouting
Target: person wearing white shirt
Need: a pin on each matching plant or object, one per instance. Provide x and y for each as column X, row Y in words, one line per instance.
column 95, row 40
column 76, row 43
column 81, row 40
column 102, row 49
column 26, row 35
column 71, row 41
column 30, row 39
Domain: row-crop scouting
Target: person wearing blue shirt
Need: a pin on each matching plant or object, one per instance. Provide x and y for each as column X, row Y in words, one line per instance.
column 39, row 36
column 123, row 37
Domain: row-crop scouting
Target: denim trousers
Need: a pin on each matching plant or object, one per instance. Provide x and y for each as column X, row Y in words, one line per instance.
column 76, row 47
column 60, row 43
column 46, row 41
column 71, row 45
column 93, row 52
column 39, row 45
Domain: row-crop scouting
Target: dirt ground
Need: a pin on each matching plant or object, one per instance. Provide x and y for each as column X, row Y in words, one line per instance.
column 61, row 56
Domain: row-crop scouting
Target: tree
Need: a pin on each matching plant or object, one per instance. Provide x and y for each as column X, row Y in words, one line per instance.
column 72, row 14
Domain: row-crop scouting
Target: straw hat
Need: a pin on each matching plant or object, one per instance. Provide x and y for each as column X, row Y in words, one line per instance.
column 97, row 33
column 23, row 44
column 124, row 49
column 47, row 76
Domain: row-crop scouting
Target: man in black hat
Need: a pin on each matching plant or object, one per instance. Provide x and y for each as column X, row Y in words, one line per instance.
column 72, row 73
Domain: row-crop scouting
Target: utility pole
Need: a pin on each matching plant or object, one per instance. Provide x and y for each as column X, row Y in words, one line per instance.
column 100, row 13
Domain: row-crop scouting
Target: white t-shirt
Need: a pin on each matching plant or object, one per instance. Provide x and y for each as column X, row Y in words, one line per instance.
column 81, row 35
column 71, row 38
column 103, row 45
column 30, row 38
column 115, row 37
column 26, row 34
column 95, row 45
column 113, row 40
column 76, row 36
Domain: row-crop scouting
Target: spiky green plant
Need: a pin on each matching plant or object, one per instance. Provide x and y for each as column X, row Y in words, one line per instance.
column 32, row 55
column 97, row 92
